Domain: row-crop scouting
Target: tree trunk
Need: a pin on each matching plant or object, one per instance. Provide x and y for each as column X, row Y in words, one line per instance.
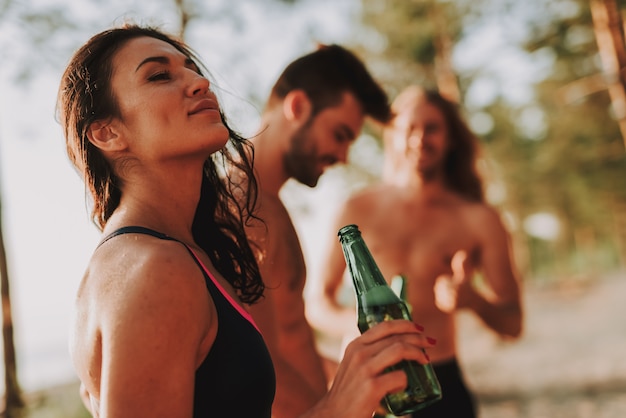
column 13, row 394
column 447, row 82
column 609, row 30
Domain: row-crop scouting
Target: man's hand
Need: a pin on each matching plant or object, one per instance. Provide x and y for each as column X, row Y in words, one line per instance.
column 456, row 292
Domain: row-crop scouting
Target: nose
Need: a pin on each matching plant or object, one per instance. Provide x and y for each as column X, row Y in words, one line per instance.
column 416, row 138
column 198, row 84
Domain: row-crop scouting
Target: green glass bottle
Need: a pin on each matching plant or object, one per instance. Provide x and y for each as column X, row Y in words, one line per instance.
column 376, row 302
column 398, row 285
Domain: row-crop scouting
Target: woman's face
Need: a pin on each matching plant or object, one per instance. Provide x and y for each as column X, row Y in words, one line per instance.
column 166, row 108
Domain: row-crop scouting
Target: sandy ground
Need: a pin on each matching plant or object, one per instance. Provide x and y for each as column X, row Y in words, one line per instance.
column 569, row 362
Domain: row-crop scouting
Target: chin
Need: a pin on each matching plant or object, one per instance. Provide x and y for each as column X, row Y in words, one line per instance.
column 221, row 135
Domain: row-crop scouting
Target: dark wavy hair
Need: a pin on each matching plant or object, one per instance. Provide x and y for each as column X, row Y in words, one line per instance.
column 460, row 171
column 85, row 96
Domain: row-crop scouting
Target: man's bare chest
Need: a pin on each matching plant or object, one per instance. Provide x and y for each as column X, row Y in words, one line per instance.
column 424, row 243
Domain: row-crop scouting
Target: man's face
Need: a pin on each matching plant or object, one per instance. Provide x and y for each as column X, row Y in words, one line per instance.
column 419, row 135
column 324, row 140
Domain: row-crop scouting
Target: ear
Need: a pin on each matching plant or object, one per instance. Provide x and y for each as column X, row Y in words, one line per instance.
column 104, row 135
column 297, row 106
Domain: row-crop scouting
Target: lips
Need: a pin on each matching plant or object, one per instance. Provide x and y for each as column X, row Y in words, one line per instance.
column 204, row 105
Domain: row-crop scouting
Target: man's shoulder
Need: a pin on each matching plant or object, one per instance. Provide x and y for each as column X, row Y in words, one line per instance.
column 478, row 209
column 463, row 203
column 270, row 207
column 483, row 218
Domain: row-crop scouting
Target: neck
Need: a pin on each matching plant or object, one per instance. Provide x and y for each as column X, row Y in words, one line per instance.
column 269, row 146
column 164, row 201
column 412, row 180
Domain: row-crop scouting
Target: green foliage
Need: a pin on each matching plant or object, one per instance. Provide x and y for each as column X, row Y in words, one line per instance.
column 411, row 29
column 571, row 162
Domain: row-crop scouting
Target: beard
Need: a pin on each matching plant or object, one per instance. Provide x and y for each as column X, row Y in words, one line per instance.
column 430, row 173
column 301, row 160
column 429, row 167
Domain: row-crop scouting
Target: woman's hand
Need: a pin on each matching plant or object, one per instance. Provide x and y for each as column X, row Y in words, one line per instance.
column 360, row 383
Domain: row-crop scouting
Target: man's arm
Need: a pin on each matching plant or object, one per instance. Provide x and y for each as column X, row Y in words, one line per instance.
column 324, row 310
column 295, row 392
column 294, row 395
column 500, row 305
column 296, row 338
column 497, row 300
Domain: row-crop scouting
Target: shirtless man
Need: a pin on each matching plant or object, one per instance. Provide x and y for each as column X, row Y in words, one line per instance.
column 427, row 220
column 315, row 111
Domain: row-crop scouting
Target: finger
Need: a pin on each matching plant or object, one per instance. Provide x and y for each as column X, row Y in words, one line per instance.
column 388, row 328
column 391, row 382
column 381, row 410
column 396, row 348
column 373, row 359
column 445, row 294
column 360, row 374
column 458, row 261
column 462, row 266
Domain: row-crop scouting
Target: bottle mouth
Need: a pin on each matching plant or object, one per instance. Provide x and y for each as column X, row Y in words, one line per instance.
column 351, row 228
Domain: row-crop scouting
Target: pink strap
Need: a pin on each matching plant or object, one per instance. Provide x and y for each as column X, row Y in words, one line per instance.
column 228, row 297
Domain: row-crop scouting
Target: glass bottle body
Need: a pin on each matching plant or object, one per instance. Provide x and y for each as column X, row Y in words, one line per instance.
column 378, row 305
column 377, row 302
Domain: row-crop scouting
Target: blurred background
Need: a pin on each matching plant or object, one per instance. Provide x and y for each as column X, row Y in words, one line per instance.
column 541, row 82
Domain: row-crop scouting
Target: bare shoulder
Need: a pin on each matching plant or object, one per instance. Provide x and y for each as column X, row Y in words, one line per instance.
column 146, row 278
column 136, row 260
column 482, row 210
column 272, row 209
column 142, row 303
column 485, row 221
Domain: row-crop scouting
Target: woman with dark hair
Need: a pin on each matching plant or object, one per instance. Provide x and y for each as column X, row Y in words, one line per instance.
column 160, row 328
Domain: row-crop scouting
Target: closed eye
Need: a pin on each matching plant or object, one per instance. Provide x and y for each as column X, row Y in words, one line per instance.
column 340, row 138
column 161, row 75
column 344, row 134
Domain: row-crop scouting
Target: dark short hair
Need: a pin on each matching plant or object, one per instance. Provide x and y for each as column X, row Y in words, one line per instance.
column 328, row 72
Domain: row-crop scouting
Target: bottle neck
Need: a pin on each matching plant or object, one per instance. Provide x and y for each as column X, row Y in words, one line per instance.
column 363, row 269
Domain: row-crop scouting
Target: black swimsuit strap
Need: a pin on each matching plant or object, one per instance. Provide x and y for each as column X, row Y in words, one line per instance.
column 151, row 232
column 156, row 234
column 135, row 230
